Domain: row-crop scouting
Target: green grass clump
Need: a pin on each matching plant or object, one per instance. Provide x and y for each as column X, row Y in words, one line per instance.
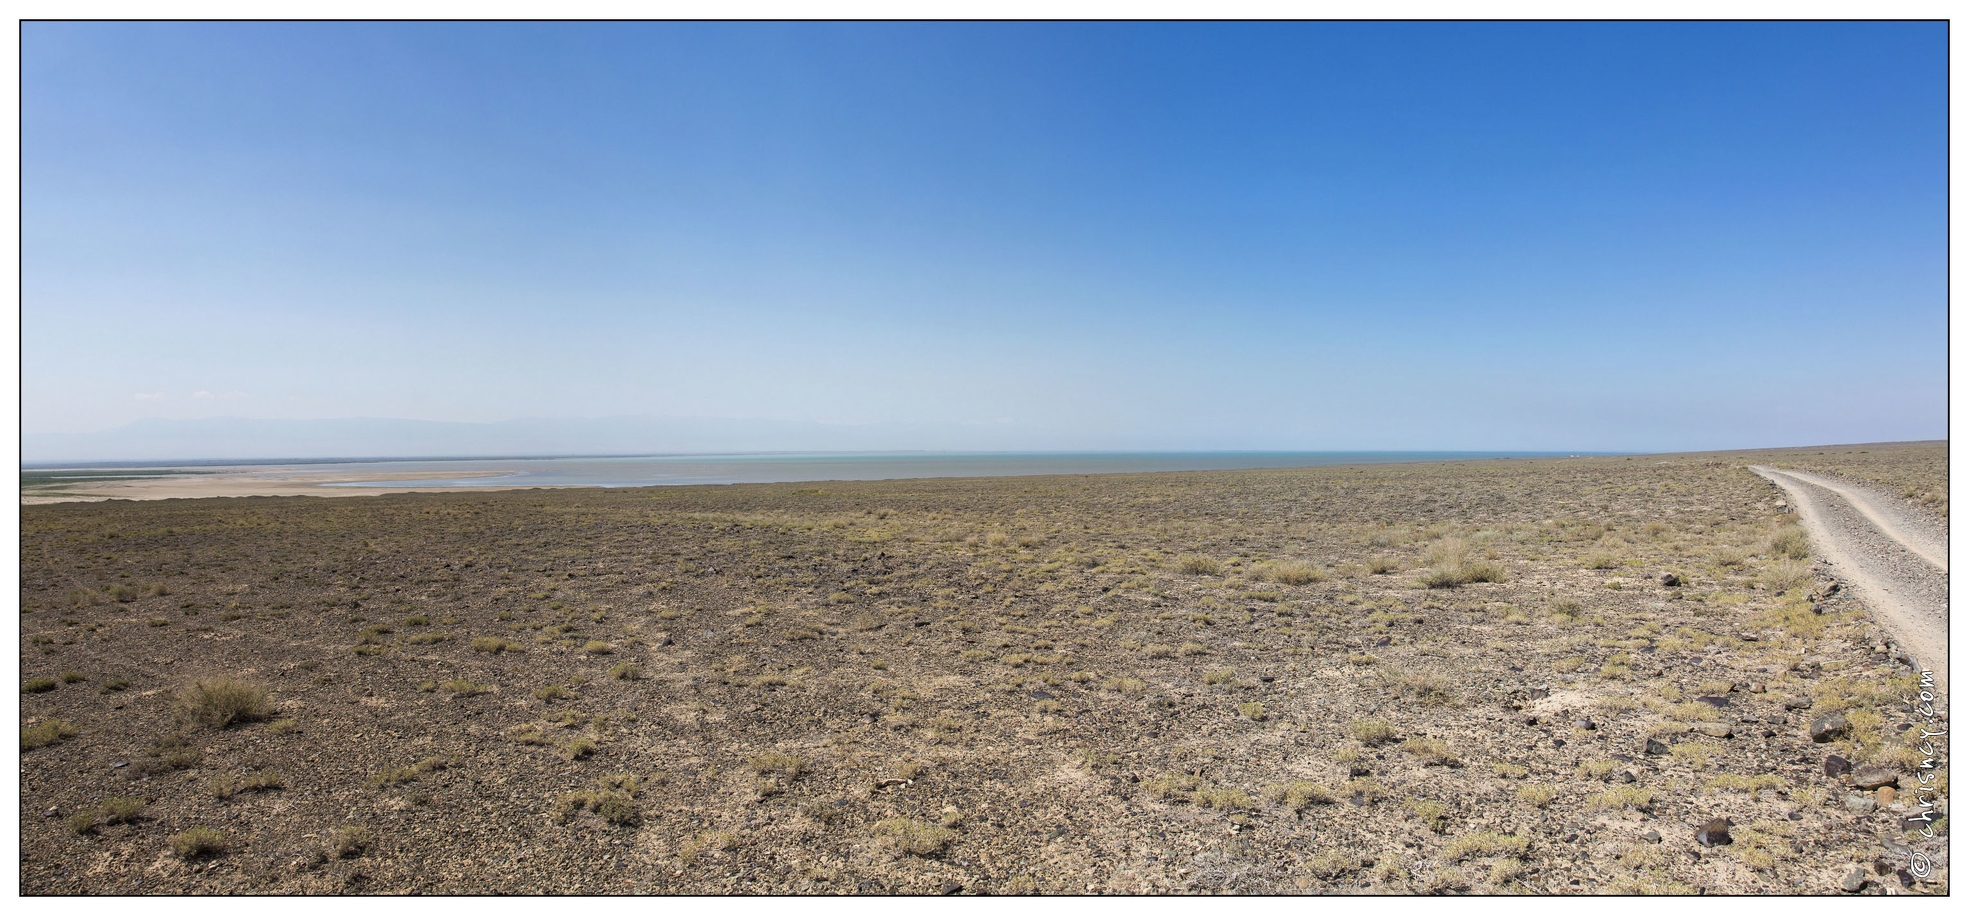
column 785, row 765
column 613, row 799
column 349, row 842
column 220, row 702
column 1372, row 732
column 1176, row 787
column 1433, row 813
column 1253, row 711
column 464, row 688
column 708, row 841
column 198, row 841
column 1223, row 799
column 49, row 732
column 626, row 671
column 1298, row 795
column 1196, row 564
column 1433, row 751
column 1538, row 795
column 1485, row 844
column 410, row 773
column 494, row 645
column 38, row 685
column 121, row 809
column 1625, row 797
column 914, row 837
column 1293, row 572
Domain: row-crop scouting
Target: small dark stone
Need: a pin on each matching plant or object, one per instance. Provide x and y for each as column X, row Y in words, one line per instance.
column 1714, row 833
column 1586, row 724
column 1531, row 720
column 1356, row 771
column 1558, row 742
column 1769, row 734
column 1623, row 758
column 1383, row 641
column 1798, row 703
column 1041, row 695
column 1651, row 836
column 1906, row 878
column 1655, row 748
column 1539, row 693
column 1671, row 580
column 120, row 764
column 1718, row 702
column 951, row 887
column 1627, row 776
column 1836, row 765
column 1827, row 727
column 1570, row 837
column 1266, row 679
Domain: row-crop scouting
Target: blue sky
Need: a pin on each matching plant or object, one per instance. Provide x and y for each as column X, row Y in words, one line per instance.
column 1317, row 236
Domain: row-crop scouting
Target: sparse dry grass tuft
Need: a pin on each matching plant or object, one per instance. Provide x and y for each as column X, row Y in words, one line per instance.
column 219, row 702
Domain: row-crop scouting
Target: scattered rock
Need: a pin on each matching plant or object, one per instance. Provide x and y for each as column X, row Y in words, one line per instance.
column 1718, row 702
column 1654, row 748
column 951, row 887
column 1712, row 729
column 1829, row 726
column 1852, row 880
column 1041, row 695
column 1836, row 765
column 1859, row 804
column 1884, row 796
column 1873, row 777
column 1383, row 641
column 1586, row 724
column 1798, row 703
column 1671, row 580
column 1627, row 776
column 1714, row 833
column 1652, row 836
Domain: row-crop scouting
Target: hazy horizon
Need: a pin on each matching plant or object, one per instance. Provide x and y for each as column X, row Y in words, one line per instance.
column 1606, row 237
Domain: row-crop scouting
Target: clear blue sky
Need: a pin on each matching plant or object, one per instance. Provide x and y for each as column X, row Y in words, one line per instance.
column 1319, row 236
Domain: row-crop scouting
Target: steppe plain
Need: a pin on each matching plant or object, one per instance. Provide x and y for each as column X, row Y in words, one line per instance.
column 1459, row 678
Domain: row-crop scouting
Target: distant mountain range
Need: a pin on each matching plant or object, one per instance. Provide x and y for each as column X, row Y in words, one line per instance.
column 237, row 439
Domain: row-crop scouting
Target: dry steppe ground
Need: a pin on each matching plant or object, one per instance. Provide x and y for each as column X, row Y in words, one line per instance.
column 1382, row 679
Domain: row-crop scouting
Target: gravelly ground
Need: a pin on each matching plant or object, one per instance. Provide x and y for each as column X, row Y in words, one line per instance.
column 1133, row 684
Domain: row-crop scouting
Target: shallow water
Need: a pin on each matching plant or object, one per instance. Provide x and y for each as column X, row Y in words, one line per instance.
column 675, row 470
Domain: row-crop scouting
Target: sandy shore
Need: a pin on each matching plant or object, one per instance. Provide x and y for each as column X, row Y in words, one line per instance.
column 253, row 481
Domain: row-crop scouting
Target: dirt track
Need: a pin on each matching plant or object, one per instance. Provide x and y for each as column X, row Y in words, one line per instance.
column 1898, row 564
